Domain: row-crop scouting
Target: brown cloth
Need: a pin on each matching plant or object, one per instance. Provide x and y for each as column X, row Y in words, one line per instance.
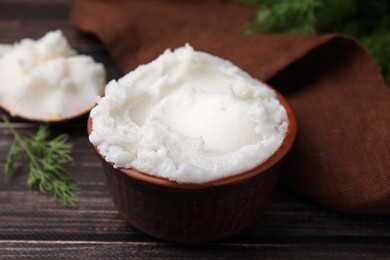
column 341, row 157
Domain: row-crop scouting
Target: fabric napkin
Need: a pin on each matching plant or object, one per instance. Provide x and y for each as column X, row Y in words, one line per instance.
column 341, row 157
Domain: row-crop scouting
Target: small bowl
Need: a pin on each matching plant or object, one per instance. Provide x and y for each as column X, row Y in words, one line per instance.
column 194, row 213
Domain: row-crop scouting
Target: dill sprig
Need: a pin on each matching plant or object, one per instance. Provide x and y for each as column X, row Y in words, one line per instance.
column 368, row 21
column 45, row 159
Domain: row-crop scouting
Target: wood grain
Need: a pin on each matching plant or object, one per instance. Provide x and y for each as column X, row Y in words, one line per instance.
column 32, row 225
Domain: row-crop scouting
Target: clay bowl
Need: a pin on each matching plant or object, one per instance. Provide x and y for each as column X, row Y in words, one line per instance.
column 193, row 213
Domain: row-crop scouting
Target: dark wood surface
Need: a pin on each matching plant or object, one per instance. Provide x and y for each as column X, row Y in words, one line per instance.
column 32, row 225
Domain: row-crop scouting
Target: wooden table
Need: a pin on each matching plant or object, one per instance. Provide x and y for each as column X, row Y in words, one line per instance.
column 34, row 225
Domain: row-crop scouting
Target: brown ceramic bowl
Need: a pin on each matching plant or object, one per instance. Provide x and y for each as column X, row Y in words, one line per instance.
column 193, row 213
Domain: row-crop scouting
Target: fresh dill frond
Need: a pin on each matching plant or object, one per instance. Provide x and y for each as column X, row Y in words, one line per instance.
column 45, row 159
column 295, row 16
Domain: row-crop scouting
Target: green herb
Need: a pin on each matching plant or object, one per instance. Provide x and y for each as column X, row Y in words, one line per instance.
column 46, row 159
column 368, row 21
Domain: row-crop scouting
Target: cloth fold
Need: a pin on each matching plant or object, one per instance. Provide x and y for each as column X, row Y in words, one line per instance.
column 342, row 153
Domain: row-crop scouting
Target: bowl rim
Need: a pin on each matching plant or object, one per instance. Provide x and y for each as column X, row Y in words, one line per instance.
column 277, row 156
column 17, row 112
